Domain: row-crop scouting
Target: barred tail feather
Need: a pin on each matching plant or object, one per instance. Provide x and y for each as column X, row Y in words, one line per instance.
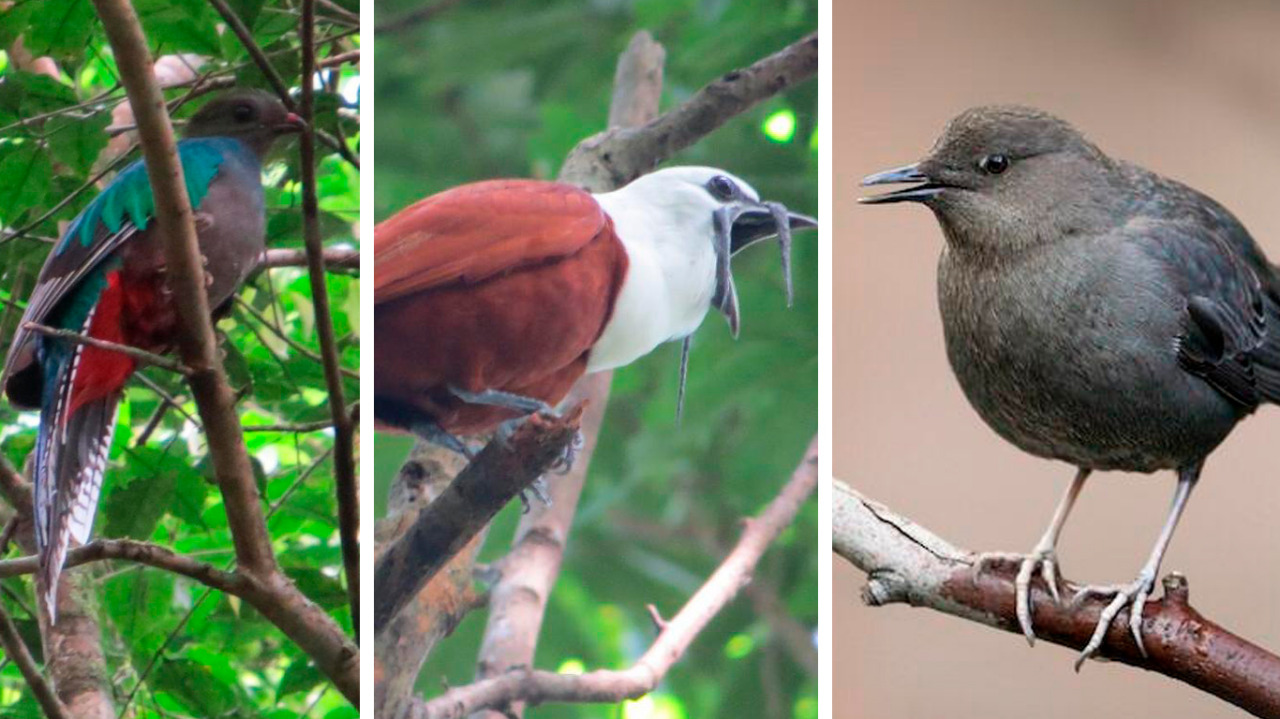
column 78, row 416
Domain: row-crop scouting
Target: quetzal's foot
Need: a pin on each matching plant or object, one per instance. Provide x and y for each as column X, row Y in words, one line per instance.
column 1134, row 595
column 1043, row 558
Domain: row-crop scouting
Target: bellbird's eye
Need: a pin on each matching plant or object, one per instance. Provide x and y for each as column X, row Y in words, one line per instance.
column 242, row 113
column 993, row 164
column 722, row 188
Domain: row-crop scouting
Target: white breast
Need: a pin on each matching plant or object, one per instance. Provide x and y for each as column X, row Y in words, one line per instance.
column 669, row 283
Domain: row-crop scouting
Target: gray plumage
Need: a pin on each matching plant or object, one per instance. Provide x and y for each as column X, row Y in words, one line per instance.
column 1094, row 312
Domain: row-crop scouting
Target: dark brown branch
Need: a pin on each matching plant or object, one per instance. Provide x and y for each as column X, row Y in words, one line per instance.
column 245, row 35
column 342, row 58
column 400, row 649
column 502, row 470
column 344, row 461
column 535, row 687
column 145, row 553
column 619, row 155
column 906, row 563
column 142, row 356
column 16, row 650
column 305, row 623
column 334, row 257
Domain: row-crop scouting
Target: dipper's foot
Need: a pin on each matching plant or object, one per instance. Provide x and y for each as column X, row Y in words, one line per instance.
column 1042, row 557
column 1134, row 595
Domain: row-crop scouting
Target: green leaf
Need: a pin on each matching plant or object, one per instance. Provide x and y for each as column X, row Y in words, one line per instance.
column 191, row 490
column 194, row 686
column 77, row 142
column 133, row 508
column 319, row 588
column 301, row 676
column 24, row 179
column 180, row 26
column 60, row 27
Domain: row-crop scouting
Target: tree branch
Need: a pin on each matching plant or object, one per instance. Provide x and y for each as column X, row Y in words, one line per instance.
column 145, row 553
column 142, row 356
column 618, row 156
column 503, row 469
column 442, row 603
column 518, row 600
column 905, row 562
column 344, row 462
column 334, row 257
column 313, row 630
column 535, row 687
column 16, row 650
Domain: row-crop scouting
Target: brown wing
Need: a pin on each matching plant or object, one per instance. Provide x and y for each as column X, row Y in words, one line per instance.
column 480, row 230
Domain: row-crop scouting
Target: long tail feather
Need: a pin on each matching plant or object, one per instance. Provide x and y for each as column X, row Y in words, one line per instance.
column 83, row 388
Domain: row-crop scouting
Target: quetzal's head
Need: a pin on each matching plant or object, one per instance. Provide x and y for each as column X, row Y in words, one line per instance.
column 254, row 117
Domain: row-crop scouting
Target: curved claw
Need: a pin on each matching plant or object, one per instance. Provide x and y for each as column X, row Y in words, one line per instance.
column 1135, row 595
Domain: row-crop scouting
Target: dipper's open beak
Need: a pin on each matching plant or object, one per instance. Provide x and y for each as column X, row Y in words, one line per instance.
column 925, row 190
column 739, row 225
column 292, row 123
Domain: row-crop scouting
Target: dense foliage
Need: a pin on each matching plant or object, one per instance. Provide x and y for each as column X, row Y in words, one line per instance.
column 489, row 89
column 174, row 649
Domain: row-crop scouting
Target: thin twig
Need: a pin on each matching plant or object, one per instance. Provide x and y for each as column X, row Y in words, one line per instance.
column 342, row 58
column 415, row 17
column 535, row 687
column 17, row 650
column 344, row 463
column 141, row 355
column 245, row 35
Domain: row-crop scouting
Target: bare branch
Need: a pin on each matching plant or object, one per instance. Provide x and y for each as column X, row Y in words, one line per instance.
column 342, row 58
column 344, row 461
column 400, row 649
column 502, row 470
column 518, row 600
column 334, row 257
column 16, row 650
column 142, row 356
column 245, row 35
column 152, row 555
column 905, row 562
column 535, row 687
column 619, row 155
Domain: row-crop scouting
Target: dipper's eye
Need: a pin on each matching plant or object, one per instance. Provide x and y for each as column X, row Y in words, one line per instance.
column 722, row 188
column 993, row 164
column 242, row 113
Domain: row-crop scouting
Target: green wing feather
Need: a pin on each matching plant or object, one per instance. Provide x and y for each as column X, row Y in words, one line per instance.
column 128, row 198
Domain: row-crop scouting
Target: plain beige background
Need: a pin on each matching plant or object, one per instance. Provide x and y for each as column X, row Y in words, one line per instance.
column 1188, row 89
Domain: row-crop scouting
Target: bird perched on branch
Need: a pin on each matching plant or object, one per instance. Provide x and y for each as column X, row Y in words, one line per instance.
column 493, row 298
column 105, row 278
column 1094, row 312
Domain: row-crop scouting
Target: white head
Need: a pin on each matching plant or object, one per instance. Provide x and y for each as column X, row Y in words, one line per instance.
column 680, row 227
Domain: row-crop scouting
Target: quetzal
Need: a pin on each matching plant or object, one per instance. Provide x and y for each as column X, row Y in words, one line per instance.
column 106, row 278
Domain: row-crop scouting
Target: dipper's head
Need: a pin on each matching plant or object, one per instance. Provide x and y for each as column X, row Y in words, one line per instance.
column 1002, row 176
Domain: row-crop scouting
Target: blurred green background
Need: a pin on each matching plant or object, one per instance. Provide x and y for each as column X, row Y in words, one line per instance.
column 172, row 648
column 490, row 89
